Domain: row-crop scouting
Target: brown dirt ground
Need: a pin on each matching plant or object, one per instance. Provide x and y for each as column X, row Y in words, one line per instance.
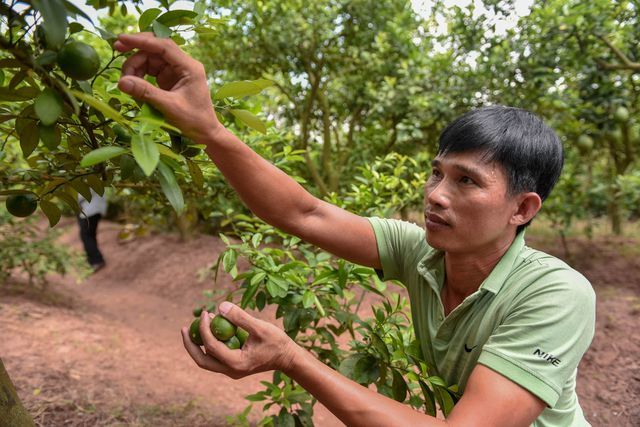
column 108, row 352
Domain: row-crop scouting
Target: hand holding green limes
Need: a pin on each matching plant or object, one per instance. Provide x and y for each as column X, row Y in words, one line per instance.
column 221, row 328
column 256, row 346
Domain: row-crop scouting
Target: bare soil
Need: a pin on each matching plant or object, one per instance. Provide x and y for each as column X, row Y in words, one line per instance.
column 108, row 351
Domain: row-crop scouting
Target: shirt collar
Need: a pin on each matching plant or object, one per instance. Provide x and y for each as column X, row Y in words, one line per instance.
column 497, row 277
column 432, row 266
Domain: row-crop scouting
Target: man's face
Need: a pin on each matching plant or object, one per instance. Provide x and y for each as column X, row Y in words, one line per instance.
column 467, row 208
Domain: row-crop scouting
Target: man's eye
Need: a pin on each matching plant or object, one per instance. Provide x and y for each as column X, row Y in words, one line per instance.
column 467, row 180
column 436, row 173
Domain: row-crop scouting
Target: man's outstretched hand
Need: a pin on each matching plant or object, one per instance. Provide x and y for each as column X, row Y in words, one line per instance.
column 182, row 94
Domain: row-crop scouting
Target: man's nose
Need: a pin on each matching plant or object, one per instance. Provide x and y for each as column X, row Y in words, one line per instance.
column 437, row 195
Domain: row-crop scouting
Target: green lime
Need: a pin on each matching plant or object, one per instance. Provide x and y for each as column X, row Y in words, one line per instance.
column 21, row 205
column 621, row 115
column 194, row 332
column 242, row 336
column 233, row 343
column 585, row 143
column 222, row 329
column 122, row 134
column 198, row 311
column 78, row 60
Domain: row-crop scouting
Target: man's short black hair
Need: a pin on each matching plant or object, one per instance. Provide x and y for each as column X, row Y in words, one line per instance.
column 529, row 151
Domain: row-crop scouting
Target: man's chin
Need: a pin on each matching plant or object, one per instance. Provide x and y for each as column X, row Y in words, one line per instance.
column 435, row 243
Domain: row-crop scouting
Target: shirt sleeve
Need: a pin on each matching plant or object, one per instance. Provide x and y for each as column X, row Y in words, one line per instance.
column 546, row 332
column 399, row 244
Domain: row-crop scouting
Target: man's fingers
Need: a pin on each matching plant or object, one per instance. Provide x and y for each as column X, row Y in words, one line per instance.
column 166, row 48
column 239, row 317
column 143, row 90
column 217, row 348
column 135, row 65
column 203, row 360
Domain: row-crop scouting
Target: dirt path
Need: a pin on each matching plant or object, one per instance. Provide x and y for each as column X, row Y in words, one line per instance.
column 108, row 351
column 113, row 347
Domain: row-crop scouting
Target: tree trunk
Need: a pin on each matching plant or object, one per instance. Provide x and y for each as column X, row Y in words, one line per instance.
column 615, row 214
column 12, row 413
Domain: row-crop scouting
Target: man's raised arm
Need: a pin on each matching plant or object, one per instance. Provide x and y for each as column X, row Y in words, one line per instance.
column 182, row 95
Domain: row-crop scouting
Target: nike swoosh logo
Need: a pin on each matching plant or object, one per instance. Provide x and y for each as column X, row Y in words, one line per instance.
column 467, row 349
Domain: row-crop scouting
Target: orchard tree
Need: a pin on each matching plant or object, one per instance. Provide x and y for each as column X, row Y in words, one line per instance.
column 66, row 128
column 574, row 63
column 351, row 77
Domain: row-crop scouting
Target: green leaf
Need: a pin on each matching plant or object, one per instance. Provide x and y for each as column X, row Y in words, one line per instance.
column 48, row 57
column 229, row 260
column 20, row 94
column 145, row 152
column 256, row 239
column 96, row 184
column 429, row 400
column 399, row 386
column 50, row 136
column 445, row 401
column 76, row 11
column 177, row 17
column 307, row 299
column 166, row 151
column 127, row 165
column 29, row 137
column 261, row 300
column 148, row 110
column 319, row 305
column 16, row 192
column 100, row 155
column 161, row 30
column 196, row 174
column 48, row 106
column 52, row 212
column 248, row 294
column 54, row 15
column 249, row 119
column 70, row 201
column 257, row 278
column 75, row 27
column 347, row 366
column 242, row 88
column 366, row 370
column 107, row 36
column 82, row 188
column 103, row 107
column 147, row 18
column 170, row 187
column 379, row 345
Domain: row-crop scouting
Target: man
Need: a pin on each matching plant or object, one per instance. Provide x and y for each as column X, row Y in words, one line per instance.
column 507, row 323
column 88, row 219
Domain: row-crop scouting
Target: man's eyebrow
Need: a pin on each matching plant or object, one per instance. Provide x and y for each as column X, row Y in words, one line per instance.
column 462, row 168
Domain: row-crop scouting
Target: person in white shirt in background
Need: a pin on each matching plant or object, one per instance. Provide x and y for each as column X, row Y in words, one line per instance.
column 90, row 214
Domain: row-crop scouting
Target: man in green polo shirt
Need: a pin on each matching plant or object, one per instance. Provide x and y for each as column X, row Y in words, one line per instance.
column 508, row 324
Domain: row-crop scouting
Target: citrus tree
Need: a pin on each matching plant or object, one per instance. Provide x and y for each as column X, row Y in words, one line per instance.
column 575, row 63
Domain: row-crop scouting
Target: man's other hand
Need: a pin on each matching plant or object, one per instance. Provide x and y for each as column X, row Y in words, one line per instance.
column 182, row 94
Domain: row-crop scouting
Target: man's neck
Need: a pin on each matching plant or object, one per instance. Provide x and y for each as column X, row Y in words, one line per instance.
column 465, row 272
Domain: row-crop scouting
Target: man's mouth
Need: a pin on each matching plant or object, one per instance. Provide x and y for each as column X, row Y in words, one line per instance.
column 436, row 219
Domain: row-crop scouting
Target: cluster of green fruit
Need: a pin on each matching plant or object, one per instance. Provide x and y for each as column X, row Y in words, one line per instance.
column 80, row 62
column 620, row 116
column 234, row 337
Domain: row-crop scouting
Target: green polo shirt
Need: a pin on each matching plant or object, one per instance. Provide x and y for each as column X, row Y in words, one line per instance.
column 531, row 320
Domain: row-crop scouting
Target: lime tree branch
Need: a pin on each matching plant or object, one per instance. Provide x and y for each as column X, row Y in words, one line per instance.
column 624, row 64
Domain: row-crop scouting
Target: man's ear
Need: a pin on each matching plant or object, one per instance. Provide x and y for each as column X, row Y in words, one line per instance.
column 528, row 206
